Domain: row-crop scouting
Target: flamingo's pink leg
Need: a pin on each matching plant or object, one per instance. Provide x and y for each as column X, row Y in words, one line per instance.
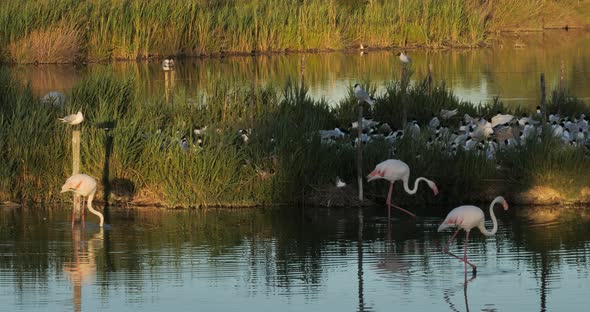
column 465, row 255
column 446, row 248
column 389, row 201
column 389, row 204
column 402, row 209
column 82, row 212
column 464, row 258
column 73, row 215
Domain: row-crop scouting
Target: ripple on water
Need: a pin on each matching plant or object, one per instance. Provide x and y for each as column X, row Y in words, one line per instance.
column 225, row 263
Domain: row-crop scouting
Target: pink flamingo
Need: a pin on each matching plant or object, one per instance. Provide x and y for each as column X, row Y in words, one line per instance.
column 466, row 218
column 393, row 170
column 83, row 185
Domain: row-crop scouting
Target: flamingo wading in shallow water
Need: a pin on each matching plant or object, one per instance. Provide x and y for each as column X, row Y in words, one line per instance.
column 466, row 218
column 393, row 170
column 83, row 185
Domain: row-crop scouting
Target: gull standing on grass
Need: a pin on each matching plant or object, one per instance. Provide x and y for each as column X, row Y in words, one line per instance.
column 446, row 114
column 362, row 95
column 340, row 183
column 73, row 119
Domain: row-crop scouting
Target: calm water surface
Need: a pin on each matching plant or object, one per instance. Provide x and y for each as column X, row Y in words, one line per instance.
column 509, row 69
column 292, row 260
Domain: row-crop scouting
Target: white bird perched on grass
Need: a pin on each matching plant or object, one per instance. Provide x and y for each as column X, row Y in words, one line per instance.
column 183, row 143
column 365, row 123
column 362, row 95
column 244, row 135
column 332, row 134
column 524, row 120
column 73, row 119
column 404, row 58
column 501, row 119
column 414, row 128
column 199, row 130
column 446, row 114
column 554, row 117
column 580, row 137
column 468, row 119
column 434, row 122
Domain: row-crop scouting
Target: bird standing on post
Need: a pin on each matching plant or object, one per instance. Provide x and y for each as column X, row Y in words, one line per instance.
column 393, row 170
column 466, row 218
column 85, row 186
column 73, row 119
column 167, row 64
column 404, row 58
column 362, row 95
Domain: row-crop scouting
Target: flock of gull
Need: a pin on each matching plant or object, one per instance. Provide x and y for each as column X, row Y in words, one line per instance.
column 450, row 132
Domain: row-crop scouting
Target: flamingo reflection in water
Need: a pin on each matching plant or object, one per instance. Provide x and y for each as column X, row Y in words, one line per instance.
column 448, row 293
column 82, row 268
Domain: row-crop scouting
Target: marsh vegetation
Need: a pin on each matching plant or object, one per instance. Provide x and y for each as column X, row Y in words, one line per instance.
column 151, row 151
column 64, row 31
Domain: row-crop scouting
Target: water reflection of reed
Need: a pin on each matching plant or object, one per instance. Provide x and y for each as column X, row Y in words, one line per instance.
column 287, row 252
column 547, row 230
column 476, row 75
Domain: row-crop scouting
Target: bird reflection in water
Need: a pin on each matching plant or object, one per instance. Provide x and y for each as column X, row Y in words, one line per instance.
column 390, row 262
column 82, row 268
column 449, row 292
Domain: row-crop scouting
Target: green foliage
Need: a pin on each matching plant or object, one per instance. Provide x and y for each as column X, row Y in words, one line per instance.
column 139, row 29
column 128, row 138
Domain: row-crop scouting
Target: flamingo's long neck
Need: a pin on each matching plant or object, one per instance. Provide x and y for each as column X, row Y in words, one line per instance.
column 90, row 198
column 482, row 226
column 415, row 189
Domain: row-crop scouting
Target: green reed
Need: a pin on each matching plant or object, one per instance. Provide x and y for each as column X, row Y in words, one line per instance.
column 137, row 29
column 128, row 138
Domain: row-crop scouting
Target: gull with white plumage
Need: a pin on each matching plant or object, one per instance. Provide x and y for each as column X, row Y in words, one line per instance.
column 74, row 119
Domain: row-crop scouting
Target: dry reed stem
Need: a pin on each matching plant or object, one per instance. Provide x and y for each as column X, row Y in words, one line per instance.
column 59, row 44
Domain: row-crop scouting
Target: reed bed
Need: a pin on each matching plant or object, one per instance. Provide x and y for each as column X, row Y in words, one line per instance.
column 103, row 30
column 133, row 145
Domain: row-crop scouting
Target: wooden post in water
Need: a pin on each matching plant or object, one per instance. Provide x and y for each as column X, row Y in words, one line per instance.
column 167, row 87
column 404, row 85
column 76, row 168
column 543, row 105
column 359, row 151
column 429, row 79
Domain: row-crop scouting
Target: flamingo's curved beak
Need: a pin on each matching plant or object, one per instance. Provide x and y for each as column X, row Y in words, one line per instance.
column 505, row 204
column 434, row 189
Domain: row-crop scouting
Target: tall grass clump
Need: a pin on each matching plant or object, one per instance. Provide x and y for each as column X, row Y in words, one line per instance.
column 547, row 162
column 61, row 43
column 32, row 144
column 288, row 138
